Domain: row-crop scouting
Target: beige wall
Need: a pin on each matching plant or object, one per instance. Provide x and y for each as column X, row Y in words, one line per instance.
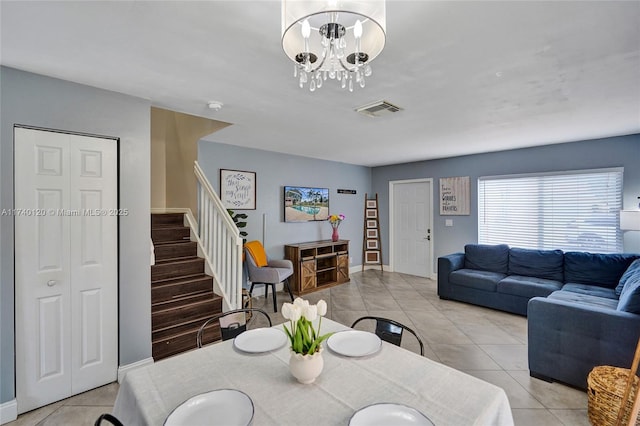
column 174, row 148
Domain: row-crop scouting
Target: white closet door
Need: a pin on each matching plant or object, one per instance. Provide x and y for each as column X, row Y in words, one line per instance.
column 66, row 265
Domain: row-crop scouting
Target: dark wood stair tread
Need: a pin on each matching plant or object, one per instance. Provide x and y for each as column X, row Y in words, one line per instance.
column 182, row 279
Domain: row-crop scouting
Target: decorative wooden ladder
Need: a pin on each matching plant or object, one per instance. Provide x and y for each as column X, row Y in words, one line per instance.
column 371, row 246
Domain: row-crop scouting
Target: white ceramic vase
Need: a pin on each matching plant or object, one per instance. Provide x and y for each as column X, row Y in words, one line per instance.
column 306, row 368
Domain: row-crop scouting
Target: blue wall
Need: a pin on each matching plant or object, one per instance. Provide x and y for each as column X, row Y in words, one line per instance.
column 273, row 172
column 621, row 151
column 35, row 100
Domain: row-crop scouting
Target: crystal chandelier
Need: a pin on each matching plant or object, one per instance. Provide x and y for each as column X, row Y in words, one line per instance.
column 333, row 39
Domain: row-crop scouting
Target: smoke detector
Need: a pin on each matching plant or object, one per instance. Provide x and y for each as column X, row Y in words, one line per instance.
column 378, row 109
column 215, row 105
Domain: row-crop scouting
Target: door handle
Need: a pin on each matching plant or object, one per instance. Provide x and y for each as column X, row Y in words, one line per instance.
column 51, row 283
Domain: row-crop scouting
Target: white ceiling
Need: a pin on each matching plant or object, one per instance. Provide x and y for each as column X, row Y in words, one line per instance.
column 472, row 77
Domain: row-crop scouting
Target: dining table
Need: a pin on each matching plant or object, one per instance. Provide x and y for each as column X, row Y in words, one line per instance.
column 446, row 396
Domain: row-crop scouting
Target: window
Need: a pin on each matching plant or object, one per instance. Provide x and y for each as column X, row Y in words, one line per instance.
column 568, row 211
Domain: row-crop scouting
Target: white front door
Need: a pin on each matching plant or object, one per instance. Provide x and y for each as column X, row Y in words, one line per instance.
column 411, row 223
column 65, row 265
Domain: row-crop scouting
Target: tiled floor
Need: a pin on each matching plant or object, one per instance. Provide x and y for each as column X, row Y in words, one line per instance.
column 485, row 343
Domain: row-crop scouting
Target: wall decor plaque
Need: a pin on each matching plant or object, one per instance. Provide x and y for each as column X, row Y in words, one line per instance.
column 238, row 189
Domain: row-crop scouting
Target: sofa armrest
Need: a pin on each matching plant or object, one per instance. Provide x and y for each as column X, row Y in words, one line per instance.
column 567, row 339
column 446, row 265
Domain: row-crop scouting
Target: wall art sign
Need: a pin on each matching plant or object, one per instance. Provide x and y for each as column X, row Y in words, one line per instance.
column 238, row 189
column 347, row 191
column 454, row 196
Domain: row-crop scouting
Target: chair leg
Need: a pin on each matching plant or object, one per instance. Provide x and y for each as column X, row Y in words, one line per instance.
column 275, row 305
column 286, row 284
column 266, row 291
column 251, row 289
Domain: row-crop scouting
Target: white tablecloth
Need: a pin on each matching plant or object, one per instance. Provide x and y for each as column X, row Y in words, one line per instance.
column 448, row 397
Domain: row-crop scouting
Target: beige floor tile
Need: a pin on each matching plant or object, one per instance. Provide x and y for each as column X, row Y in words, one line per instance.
column 449, row 335
column 572, row 417
column 102, row 396
column 487, row 334
column 534, row 417
column 552, row 395
column 464, row 357
column 34, row 417
column 74, row 416
column 509, row 357
column 518, row 396
column 380, row 303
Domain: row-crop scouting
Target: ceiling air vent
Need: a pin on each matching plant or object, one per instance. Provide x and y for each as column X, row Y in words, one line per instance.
column 378, row 109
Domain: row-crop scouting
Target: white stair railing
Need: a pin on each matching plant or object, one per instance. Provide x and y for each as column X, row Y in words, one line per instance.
column 220, row 241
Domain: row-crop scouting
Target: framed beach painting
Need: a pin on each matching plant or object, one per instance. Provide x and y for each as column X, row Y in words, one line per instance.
column 238, row 189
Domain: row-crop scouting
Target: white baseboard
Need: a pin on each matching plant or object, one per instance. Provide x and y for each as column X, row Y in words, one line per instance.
column 124, row 369
column 353, row 269
column 8, row 411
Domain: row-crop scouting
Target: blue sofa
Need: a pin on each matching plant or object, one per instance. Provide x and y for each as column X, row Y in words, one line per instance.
column 500, row 277
column 583, row 309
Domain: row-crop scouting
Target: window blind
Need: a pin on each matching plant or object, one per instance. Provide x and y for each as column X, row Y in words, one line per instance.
column 567, row 211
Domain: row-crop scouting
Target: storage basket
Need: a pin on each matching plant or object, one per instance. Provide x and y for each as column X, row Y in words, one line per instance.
column 605, row 388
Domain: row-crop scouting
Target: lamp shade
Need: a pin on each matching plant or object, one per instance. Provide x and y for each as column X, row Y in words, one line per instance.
column 630, row 220
column 366, row 17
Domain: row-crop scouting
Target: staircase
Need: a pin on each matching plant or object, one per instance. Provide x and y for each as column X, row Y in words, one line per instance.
column 182, row 296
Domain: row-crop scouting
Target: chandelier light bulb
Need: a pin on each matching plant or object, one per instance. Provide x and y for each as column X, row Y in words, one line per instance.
column 306, row 29
column 357, row 29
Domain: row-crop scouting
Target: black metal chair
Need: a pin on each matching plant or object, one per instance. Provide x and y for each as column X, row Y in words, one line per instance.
column 110, row 418
column 390, row 330
column 236, row 323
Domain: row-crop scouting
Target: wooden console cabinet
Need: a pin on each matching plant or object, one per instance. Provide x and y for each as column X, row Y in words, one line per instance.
column 318, row 264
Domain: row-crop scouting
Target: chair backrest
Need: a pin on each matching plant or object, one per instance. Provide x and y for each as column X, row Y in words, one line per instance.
column 256, row 253
column 110, row 418
column 390, row 330
column 231, row 323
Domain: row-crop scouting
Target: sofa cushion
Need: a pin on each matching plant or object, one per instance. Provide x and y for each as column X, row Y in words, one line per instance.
column 494, row 258
column 481, row 280
column 546, row 264
column 633, row 271
column 593, row 290
column 603, row 270
column 584, row 299
column 630, row 295
column 528, row 286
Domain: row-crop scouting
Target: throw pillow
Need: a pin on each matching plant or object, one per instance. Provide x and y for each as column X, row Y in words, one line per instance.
column 545, row 264
column 632, row 272
column 493, row 258
column 630, row 296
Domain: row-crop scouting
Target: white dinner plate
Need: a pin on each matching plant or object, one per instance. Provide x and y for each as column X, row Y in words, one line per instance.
column 385, row 414
column 260, row 340
column 227, row 407
column 354, row 343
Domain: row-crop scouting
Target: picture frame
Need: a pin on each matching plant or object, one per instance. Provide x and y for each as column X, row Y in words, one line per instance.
column 371, row 204
column 305, row 204
column 372, row 224
column 372, row 233
column 372, row 213
column 372, row 257
column 372, row 244
column 238, row 189
column 454, row 196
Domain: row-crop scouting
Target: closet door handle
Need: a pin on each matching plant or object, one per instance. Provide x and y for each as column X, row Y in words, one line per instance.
column 51, row 283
